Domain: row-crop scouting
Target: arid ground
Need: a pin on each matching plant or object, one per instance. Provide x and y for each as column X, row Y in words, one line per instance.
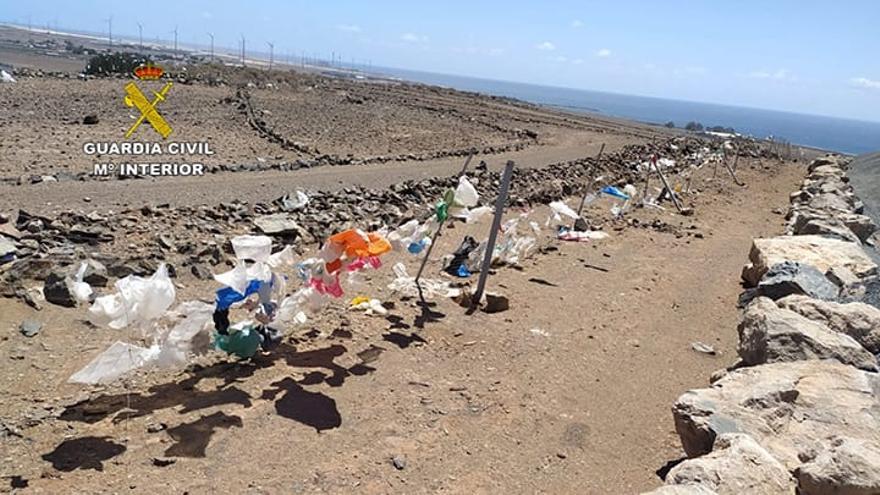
column 568, row 391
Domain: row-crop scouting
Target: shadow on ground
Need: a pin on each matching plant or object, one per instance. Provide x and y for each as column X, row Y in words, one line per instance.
column 191, row 439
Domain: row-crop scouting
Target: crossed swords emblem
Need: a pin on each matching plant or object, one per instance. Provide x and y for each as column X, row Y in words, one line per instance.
column 135, row 98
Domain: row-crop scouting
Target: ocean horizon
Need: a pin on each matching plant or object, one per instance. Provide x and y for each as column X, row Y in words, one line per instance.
column 849, row 136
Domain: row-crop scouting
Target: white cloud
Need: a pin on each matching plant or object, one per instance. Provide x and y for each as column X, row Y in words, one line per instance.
column 207, row 15
column 604, row 53
column 546, row 46
column 577, row 61
column 559, row 58
column 349, row 28
column 865, row 83
column 414, row 38
column 577, row 24
column 777, row 75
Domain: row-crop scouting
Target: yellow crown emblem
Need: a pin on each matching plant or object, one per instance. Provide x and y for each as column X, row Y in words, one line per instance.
column 148, row 72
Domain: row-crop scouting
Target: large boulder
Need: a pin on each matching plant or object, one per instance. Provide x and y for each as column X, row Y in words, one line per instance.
column 790, row 409
column 736, row 465
column 819, row 251
column 849, row 466
column 770, row 334
column 858, row 320
column 790, row 277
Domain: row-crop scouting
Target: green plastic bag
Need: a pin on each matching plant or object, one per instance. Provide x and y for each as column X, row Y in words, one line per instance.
column 243, row 341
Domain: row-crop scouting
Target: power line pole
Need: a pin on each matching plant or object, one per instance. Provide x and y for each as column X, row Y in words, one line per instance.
column 212, row 46
column 141, row 35
column 271, row 53
column 175, row 38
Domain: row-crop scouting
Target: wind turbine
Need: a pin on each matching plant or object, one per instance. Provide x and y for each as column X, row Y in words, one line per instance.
column 271, row 53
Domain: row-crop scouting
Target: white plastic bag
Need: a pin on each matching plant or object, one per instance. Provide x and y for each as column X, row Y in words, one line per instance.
column 297, row 202
column 117, row 360
column 465, row 194
column 81, row 291
column 252, row 247
column 137, row 300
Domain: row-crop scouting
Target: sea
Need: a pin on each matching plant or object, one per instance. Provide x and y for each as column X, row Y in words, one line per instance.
column 827, row 133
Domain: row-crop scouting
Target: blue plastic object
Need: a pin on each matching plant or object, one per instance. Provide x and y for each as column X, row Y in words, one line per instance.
column 228, row 296
column 613, row 191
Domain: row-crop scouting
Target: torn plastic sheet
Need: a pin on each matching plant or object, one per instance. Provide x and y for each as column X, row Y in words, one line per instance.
column 557, row 210
column 406, row 285
column 191, row 335
column 119, row 359
column 137, row 300
column 511, row 247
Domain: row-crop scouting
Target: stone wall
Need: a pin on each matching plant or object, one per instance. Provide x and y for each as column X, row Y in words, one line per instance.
column 799, row 412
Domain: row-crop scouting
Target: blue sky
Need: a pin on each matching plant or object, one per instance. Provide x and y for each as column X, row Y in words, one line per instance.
column 804, row 56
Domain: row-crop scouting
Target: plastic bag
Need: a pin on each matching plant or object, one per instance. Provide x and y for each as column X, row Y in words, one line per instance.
column 298, row 202
column 182, row 339
column 471, row 216
column 252, row 247
column 406, row 285
column 137, row 300
column 81, row 291
column 465, row 194
column 117, row 360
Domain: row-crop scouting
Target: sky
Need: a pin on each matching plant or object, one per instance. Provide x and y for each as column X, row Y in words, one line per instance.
column 805, row 56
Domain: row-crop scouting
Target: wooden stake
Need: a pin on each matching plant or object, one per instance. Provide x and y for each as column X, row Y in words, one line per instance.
column 437, row 233
column 590, row 186
column 493, row 234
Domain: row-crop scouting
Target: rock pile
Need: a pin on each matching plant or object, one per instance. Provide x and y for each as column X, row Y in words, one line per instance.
column 800, row 411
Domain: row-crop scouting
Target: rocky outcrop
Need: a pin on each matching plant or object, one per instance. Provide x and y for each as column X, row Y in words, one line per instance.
column 818, row 251
column 770, row 334
column 858, row 320
column 848, row 466
column 792, row 409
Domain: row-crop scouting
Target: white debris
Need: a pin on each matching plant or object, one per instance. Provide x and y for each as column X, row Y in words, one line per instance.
column 136, row 300
column 81, row 291
column 298, row 202
column 116, row 361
